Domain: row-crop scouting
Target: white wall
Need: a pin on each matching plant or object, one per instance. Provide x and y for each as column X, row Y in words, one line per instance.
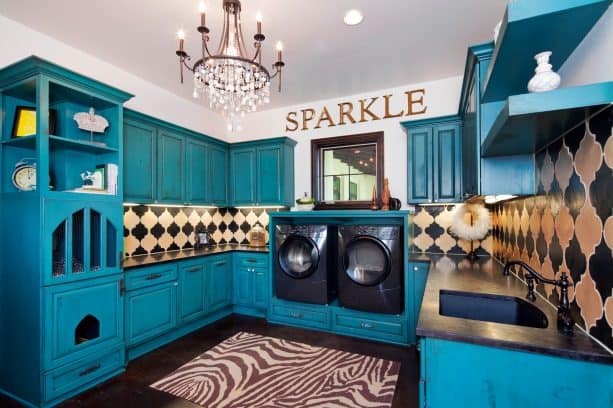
column 592, row 60
column 442, row 98
column 19, row 41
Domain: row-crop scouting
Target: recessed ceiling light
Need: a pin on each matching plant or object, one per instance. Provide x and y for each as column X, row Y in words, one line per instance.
column 353, row 17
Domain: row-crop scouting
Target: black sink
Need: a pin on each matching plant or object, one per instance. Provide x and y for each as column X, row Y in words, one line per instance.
column 491, row 308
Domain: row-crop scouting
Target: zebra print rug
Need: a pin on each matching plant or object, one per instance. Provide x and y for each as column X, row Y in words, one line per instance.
column 248, row 370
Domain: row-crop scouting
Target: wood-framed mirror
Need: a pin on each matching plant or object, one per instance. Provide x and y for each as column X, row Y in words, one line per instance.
column 345, row 169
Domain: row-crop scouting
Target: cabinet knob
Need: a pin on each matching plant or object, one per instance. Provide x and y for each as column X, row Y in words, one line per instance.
column 367, row 325
column 415, row 268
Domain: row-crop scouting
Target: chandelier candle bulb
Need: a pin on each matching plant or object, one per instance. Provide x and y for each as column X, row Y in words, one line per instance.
column 202, row 10
column 258, row 19
column 279, row 51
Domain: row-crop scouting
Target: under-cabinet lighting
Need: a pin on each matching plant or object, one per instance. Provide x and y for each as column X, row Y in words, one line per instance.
column 492, row 199
column 169, row 205
column 272, row 207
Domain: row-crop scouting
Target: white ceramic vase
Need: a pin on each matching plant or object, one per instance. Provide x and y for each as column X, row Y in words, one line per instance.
column 544, row 78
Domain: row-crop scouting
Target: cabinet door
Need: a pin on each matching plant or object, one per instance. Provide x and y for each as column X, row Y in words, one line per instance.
column 243, row 180
column 197, row 174
column 260, row 288
column 219, row 284
column 218, row 175
column 447, row 163
column 139, row 177
column 419, row 158
column 243, row 286
column 420, row 276
column 470, row 137
column 171, row 167
column 269, row 182
column 150, row 312
column 192, row 299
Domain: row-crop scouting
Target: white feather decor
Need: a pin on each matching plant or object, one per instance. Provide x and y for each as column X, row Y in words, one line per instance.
column 479, row 228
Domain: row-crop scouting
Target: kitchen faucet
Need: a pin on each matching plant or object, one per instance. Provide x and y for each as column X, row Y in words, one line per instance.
column 565, row 320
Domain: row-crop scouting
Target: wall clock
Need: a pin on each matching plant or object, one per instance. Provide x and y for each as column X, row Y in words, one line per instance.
column 24, row 175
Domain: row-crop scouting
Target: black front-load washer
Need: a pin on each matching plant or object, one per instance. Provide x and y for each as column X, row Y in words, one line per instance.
column 304, row 265
column 371, row 268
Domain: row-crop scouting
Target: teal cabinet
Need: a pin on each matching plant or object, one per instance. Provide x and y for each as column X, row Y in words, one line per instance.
column 251, row 283
column 433, row 155
column 243, row 180
column 419, row 271
column 262, row 172
column 150, row 311
column 218, row 175
column 197, row 173
column 558, row 382
column 192, row 299
column 219, row 283
column 171, row 167
column 140, row 170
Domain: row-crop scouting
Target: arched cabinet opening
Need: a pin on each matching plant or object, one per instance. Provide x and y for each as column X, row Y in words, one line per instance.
column 78, row 241
column 95, row 234
column 111, row 245
column 87, row 329
column 58, row 250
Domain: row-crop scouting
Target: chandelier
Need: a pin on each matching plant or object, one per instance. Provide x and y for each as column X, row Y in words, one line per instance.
column 233, row 82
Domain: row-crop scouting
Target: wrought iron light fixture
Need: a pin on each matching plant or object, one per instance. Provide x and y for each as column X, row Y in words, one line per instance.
column 233, row 82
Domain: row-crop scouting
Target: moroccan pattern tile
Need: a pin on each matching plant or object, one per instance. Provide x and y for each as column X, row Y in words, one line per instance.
column 431, row 233
column 568, row 225
column 153, row 229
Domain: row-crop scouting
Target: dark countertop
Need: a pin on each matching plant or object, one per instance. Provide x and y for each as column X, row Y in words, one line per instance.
column 485, row 276
column 153, row 259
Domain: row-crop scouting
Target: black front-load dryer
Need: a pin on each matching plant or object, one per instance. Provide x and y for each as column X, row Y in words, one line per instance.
column 304, row 264
column 371, row 268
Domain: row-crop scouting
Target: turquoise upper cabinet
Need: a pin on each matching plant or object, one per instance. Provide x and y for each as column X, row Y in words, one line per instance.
column 433, row 152
column 140, row 179
column 218, row 175
column 171, row 167
column 420, row 165
column 243, row 170
column 262, row 172
column 197, row 172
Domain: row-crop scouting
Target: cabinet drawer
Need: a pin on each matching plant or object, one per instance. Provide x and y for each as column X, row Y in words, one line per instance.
column 150, row 312
column 301, row 316
column 253, row 260
column 149, row 276
column 391, row 329
column 73, row 376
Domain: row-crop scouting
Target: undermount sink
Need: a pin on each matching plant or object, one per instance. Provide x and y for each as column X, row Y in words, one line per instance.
column 491, row 308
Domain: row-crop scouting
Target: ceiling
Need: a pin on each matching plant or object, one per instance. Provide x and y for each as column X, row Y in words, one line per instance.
column 400, row 41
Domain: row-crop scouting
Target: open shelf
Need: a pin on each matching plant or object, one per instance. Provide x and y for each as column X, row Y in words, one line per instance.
column 529, row 122
column 27, row 142
column 530, row 27
column 81, row 145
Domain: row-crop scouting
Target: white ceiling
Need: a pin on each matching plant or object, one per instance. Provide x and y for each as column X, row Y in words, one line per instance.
column 399, row 42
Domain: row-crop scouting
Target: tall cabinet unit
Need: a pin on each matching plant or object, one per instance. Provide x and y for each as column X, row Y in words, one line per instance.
column 61, row 304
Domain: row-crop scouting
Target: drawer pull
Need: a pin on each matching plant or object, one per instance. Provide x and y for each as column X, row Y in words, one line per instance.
column 365, row 325
column 194, row 269
column 154, row 276
column 89, row 370
column 251, row 260
column 220, row 263
column 296, row 315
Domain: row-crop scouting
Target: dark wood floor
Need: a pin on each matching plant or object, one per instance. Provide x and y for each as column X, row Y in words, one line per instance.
column 131, row 389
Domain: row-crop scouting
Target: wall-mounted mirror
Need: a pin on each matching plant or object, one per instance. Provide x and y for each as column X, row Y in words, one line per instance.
column 344, row 170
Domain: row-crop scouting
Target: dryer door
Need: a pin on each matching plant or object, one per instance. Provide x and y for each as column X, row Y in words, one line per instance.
column 367, row 260
column 298, row 256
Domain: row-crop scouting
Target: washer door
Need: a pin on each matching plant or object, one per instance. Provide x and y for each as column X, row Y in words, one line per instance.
column 367, row 260
column 298, row 256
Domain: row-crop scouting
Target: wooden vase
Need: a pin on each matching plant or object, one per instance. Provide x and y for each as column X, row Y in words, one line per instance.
column 385, row 196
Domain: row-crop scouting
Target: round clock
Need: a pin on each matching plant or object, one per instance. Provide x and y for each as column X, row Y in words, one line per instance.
column 24, row 175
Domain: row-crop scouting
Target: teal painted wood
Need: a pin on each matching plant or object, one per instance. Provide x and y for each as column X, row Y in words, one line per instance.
column 261, row 292
column 140, row 171
column 149, row 276
column 374, row 326
column 219, row 283
column 447, row 170
column 546, row 23
column 547, row 381
column 192, row 286
column 251, row 280
column 269, row 162
column 197, row 173
column 243, row 286
column 150, row 312
column 420, row 166
column 171, row 167
column 529, row 122
column 243, row 176
column 299, row 314
column 218, row 175
column 419, row 271
column 80, row 319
